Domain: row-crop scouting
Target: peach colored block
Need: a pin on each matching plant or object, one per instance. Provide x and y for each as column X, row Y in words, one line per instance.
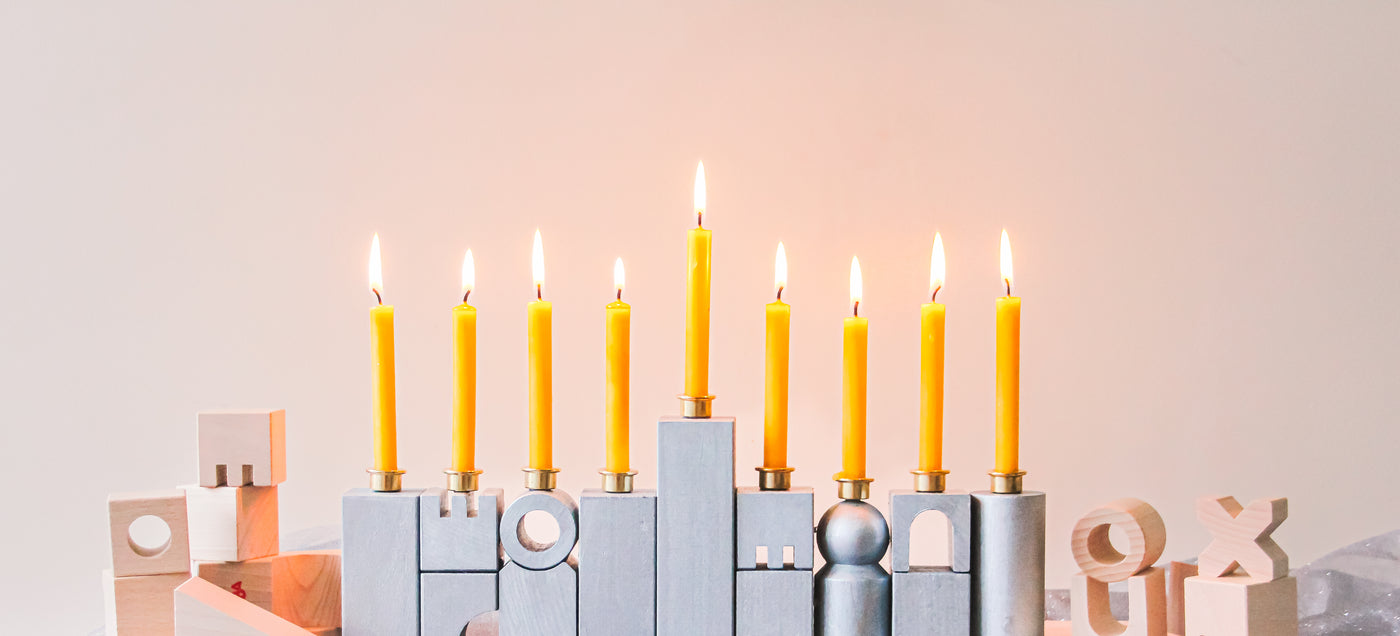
column 1147, row 606
column 140, row 605
column 205, row 609
column 242, row 448
column 302, row 587
column 1240, row 537
column 1177, row 572
column 1095, row 554
column 131, row 559
column 232, row 523
column 1241, row 606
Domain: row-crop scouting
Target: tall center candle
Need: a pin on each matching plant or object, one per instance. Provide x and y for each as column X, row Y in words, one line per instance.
column 540, row 320
column 931, row 346
column 778, row 317
column 381, row 342
column 854, row 346
column 697, row 298
column 618, row 372
column 464, row 374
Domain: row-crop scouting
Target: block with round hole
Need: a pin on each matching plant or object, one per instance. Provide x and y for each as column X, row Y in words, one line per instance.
column 132, row 557
column 1103, row 563
column 527, row 552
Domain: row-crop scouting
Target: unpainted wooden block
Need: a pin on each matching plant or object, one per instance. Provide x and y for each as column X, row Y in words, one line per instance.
column 140, row 605
column 1096, row 555
column 1241, row 606
column 907, row 505
column 242, row 448
column 1240, row 537
column 205, row 609
column 379, row 563
column 450, row 600
column 132, row 559
column 459, row 531
column 931, row 601
column 1177, row 572
column 773, row 603
column 232, row 523
column 780, row 521
column 302, row 587
column 1147, row 606
column 538, row 602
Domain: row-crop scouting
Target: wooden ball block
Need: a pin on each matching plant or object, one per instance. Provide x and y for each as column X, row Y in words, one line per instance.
column 1147, row 606
column 1241, row 606
column 1240, row 537
column 242, row 448
column 302, row 587
column 233, row 523
column 140, row 605
column 132, row 559
column 205, row 609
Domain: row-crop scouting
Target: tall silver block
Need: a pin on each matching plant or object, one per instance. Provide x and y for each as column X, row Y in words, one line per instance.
column 773, row 603
column 1008, row 564
column 774, row 520
column 539, row 602
column 450, row 600
column 379, row 563
column 932, row 601
column 852, row 591
column 535, row 555
column 906, row 505
column 617, row 563
column 459, row 531
column 695, row 526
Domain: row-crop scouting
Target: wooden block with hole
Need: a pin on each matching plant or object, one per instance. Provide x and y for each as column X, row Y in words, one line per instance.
column 242, row 448
column 205, row 609
column 131, row 558
column 140, row 605
column 1102, row 563
column 233, row 523
column 302, row 587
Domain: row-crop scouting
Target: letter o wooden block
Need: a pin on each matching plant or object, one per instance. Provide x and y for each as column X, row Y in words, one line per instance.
column 1095, row 554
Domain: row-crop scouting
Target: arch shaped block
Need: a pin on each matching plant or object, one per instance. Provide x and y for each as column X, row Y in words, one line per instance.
column 906, row 505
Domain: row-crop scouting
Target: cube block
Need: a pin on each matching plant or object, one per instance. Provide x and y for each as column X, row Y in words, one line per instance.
column 132, row 559
column 232, row 523
column 242, row 448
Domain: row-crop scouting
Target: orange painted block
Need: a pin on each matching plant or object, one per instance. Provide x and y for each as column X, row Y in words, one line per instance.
column 302, row 587
column 140, row 605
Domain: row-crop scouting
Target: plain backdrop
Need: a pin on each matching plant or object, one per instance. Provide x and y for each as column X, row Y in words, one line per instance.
column 1202, row 198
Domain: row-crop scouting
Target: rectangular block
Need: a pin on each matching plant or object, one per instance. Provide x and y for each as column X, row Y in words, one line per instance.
column 907, row 505
column 617, row 562
column 132, row 559
column 242, row 448
column 232, row 523
column 453, row 599
column 774, row 520
column 140, row 605
column 459, row 531
column 205, row 609
column 1008, row 564
column 1177, row 573
column 302, row 587
column 773, row 603
column 538, row 602
column 379, row 563
column 1241, row 606
column 932, row 601
column 695, row 526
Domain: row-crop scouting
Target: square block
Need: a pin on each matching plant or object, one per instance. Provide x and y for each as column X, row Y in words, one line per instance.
column 1241, row 606
column 907, row 505
column 695, row 526
column 131, row 559
column 617, row 563
column 301, row 587
column 932, row 601
column 379, row 563
column 774, row 519
column 450, row 600
column 459, row 531
column 538, row 602
column 233, row 523
column 204, row 608
column 140, row 605
column 242, row 448
column 773, row 603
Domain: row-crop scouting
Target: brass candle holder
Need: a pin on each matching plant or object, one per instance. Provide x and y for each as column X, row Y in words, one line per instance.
column 774, row 478
column 852, row 489
column 1007, row 483
column 541, row 478
column 930, row 480
column 462, row 481
column 617, row 482
column 696, row 407
column 385, row 480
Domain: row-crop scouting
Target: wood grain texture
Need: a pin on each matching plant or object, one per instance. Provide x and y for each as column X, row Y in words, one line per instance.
column 1096, row 555
column 1176, row 595
column 302, row 587
column 1147, row 606
column 1241, row 606
column 229, row 441
column 232, row 523
column 205, row 609
column 1240, row 537
column 131, row 559
column 140, row 605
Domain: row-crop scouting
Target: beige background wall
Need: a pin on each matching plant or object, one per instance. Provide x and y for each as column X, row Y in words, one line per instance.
column 1202, row 197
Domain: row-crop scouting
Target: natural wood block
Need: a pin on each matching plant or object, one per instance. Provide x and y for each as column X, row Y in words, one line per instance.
column 132, row 559
column 242, row 448
column 302, row 587
column 232, row 523
column 1177, row 572
column 205, row 609
column 1096, row 555
column 1241, row 606
column 1240, row 537
column 140, row 605
column 1147, row 606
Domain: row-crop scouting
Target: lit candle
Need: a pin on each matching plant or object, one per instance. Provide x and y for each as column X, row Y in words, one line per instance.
column 381, row 342
column 697, row 298
column 853, row 384
column 778, row 315
column 540, row 314
column 931, row 322
column 464, row 374
column 619, row 351
column 1008, row 370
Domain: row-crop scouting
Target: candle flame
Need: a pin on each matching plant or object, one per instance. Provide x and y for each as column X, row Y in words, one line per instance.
column 937, row 267
column 619, row 276
column 1006, row 261
column 780, row 270
column 537, row 265
column 855, row 286
column 700, row 194
column 376, row 270
column 468, row 275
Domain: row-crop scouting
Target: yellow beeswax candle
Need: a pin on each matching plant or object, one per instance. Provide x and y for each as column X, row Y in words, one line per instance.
column 778, row 316
column 855, row 340
column 931, row 324
column 697, row 298
column 540, row 319
column 381, row 343
column 619, row 351
column 464, row 374
column 1008, row 370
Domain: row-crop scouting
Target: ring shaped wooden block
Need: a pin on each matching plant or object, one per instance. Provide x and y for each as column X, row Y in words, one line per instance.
column 1240, row 537
column 130, row 558
column 242, row 448
column 205, row 609
column 907, row 505
column 526, row 552
column 1095, row 554
column 232, row 524
column 1147, row 606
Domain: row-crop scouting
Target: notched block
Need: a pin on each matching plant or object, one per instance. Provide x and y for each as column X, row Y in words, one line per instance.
column 242, row 448
column 907, row 505
column 773, row 603
column 459, row 531
column 1241, row 606
column 232, row 524
column 776, row 524
column 450, row 600
column 130, row 558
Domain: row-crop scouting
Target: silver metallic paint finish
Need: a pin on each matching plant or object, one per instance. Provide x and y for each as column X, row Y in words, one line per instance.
column 539, row 602
column 617, row 563
column 528, row 553
column 1008, row 564
column 905, row 505
column 450, row 600
column 379, row 563
column 932, row 601
column 773, row 603
column 460, row 533
column 774, row 519
column 695, row 526
column 852, row 591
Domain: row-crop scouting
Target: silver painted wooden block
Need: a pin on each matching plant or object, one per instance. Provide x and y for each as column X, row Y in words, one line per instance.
column 695, row 526
column 932, row 601
column 773, row 603
column 539, row 602
column 535, row 555
column 906, row 505
column 851, row 593
column 1008, row 564
column 617, row 563
column 778, row 521
column 379, row 563
column 458, row 531
column 450, row 600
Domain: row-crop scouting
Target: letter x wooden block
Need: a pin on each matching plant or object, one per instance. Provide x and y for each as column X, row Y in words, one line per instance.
column 1240, row 537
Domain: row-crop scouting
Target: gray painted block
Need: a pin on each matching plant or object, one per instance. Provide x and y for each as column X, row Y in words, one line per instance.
column 905, row 505
column 539, row 602
column 528, row 553
column 932, row 601
column 1008, row 564
column 450, row 600
column 458, row 530
column 617, row 563
column 774, row 519
column 773, row 603
column 695, row 526
column 379, row 563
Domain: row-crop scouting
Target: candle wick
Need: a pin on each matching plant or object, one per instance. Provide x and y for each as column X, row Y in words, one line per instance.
column 377, row 298
column 1008, row 287
column 855, row 309
column 465, row 295
column 700, row 217
column 780, row 292
column 934, row 299
column 539, row 292
column 619, row 293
